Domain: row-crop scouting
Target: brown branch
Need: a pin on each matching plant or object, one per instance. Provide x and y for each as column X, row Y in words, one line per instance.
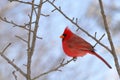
column 21, row 38
column 29, row 56
column 62, row 64
column 45, row 15
column 11, row 62
column 31, row 42
column 5, row 48
column 109, row 37
column 99, row 39
column 14, row 24
column 31, row 38
column 20, row 26
column 36, row 26
column 56, row 8
column 15, row 76
column 26, row 2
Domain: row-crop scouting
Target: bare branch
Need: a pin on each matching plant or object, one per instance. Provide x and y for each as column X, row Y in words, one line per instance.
column 23, row 2
column 109, row 37
column 21, row 38
column 14, row 24
column 99, row 39
column 62, row 64
column 45, row 15
column 76, row 20
column 20, row 26
column 95, row 34
column 53, row 1
column 5, row 48
column 32, row 38
column 11, row 62
column 15, row 76
column 29, row 56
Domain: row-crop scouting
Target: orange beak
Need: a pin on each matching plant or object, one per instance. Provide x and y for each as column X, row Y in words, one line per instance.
column 62, row 36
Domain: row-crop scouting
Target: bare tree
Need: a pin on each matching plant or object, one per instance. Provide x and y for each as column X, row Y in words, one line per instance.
column 29, row 29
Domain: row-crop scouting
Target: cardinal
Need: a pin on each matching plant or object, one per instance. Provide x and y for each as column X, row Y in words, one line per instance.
column 75, row 46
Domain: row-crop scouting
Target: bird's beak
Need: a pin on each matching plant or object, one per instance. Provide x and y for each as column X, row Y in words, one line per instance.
column 62, row 36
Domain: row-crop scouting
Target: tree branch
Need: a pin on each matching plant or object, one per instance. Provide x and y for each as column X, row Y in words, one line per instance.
column 62, row 64
column 11, row 62
column 29, row 50
column 109, row 37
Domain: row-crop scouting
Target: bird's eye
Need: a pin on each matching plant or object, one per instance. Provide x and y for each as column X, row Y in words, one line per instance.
column 64, row 34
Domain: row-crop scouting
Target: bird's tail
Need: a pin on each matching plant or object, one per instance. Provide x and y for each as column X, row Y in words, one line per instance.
column 94, row 53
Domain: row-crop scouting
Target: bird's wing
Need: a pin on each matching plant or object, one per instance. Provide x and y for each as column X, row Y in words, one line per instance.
column 78, row 43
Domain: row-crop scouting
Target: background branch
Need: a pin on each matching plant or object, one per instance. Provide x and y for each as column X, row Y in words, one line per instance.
column 109, row 37
column 11, row 62
column 29, row 55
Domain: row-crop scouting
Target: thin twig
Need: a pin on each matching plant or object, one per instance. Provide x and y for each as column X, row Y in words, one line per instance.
column 21, row 38
column 15, row 76
column 46, row 15
column 11, row 62
column 5, row 48
column 23, row 2
column 109, row 37
column 62, row 64
column 14, row 24
column 28, row 2
column 20, row 26
column 95, row 34
column 99, row 39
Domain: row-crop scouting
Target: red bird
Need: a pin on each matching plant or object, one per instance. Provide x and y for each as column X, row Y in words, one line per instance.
column 75, row 46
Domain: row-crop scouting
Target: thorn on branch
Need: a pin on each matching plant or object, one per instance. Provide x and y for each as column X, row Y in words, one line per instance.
column 44, row 1
column 76, row 20
column 4, row 19
column 29, row 15
column 15, row 76
column 62, row 64
column 73, row 19
column 45, row 15
column 53, row 1
column 95, row 34
column 53, row 10
column 5, row 48
column 39, row 37
column 21, row 38
column 62, row 61
column 13, row 60
column 99, row 39
column 59, row 70
column 59, row 8
column 10, row 0
column 25, row 65
column 77, row 29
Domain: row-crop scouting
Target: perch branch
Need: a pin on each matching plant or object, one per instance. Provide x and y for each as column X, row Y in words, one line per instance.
column 62, row 64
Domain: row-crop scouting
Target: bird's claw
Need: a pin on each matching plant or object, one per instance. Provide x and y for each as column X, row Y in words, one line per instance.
column 74, row 58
